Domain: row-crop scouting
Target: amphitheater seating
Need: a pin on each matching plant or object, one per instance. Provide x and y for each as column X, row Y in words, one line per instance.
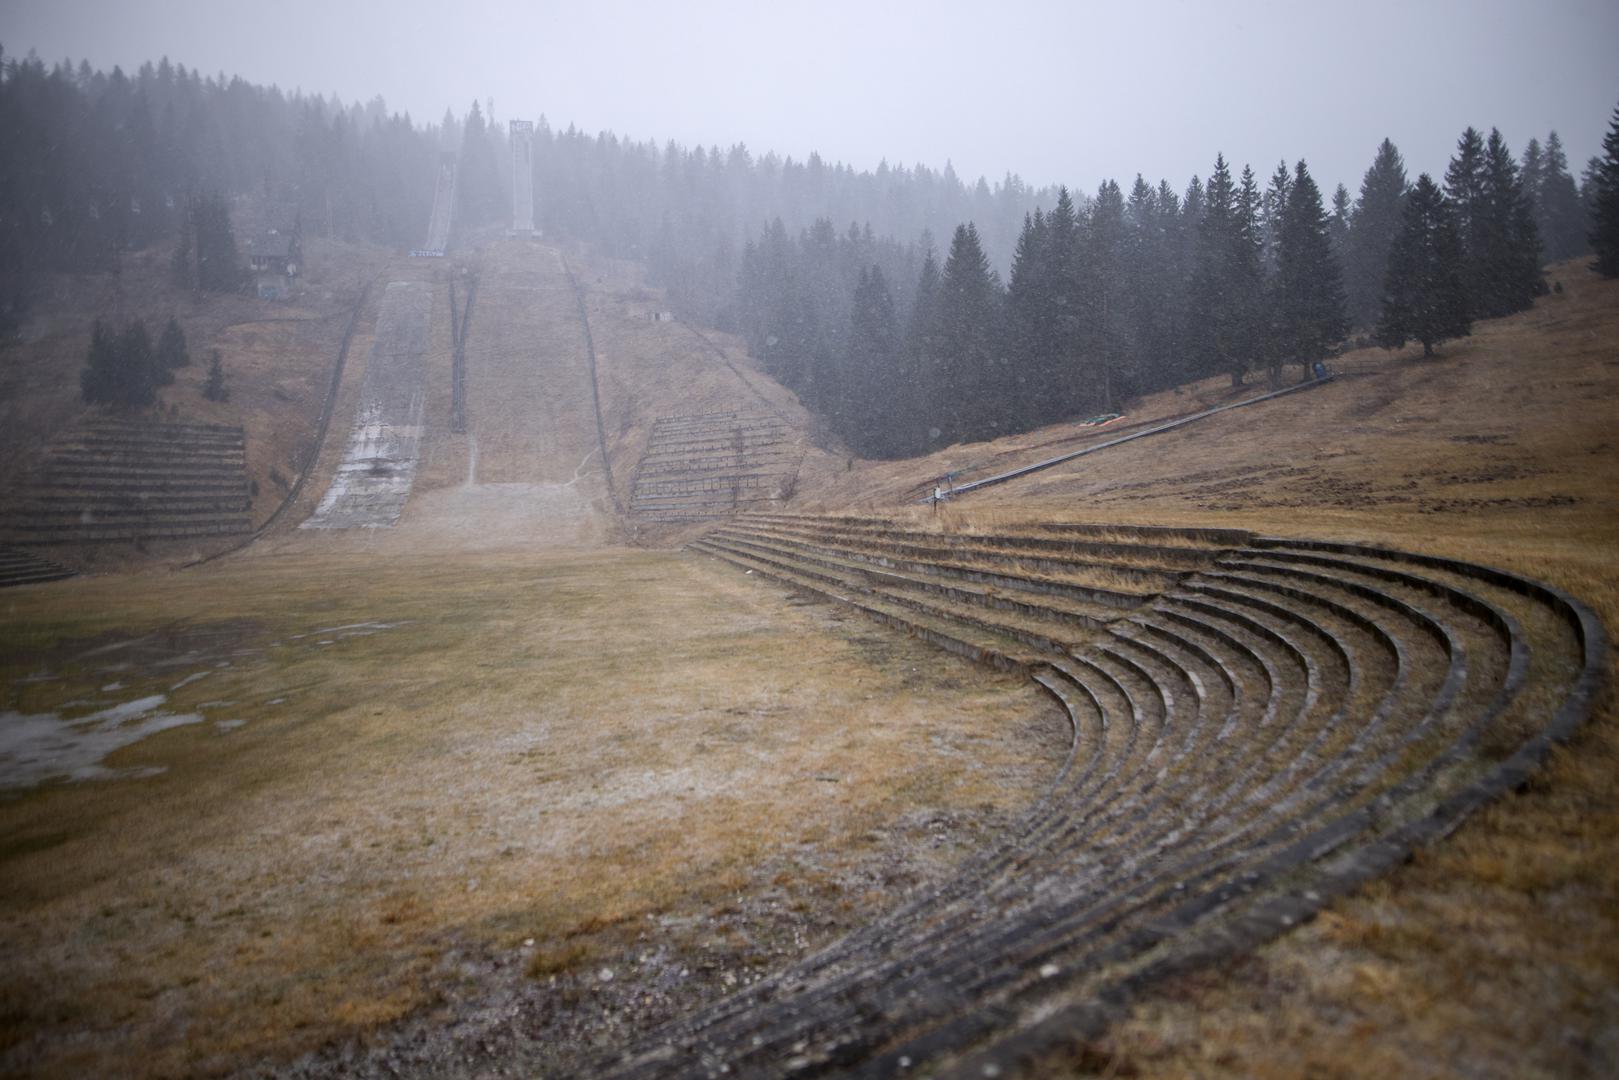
column 711, row 465
column 18, row 567
column 126, row 480
column 1258, row 724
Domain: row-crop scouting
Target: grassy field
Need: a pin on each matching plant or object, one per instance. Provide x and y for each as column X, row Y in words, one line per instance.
column 537, row 760
column 408, row 775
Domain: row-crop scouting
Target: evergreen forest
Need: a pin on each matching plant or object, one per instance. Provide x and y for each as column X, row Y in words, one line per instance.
column 909, row 308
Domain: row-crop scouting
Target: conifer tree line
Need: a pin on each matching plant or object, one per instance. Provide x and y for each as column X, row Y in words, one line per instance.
column 1115, row 296
column 101, row 163
column 1044, row 305
column 125, row 369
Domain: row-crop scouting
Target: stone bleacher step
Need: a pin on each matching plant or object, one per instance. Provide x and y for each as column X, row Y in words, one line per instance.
column 18, row 567
column 1082, row 615
column 1032, row 631
column 986, row 570
column 971, row 642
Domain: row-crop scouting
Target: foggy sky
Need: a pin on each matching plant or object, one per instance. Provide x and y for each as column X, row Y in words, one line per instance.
column 1056, row 92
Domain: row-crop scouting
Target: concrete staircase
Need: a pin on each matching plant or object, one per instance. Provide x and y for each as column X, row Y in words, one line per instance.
column 19, row 567
column 127, row 481
column 712, row 465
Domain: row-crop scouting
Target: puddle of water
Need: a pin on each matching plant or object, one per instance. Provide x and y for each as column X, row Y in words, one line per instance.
column 189, row 679
column 43, row 746
column 223, row 726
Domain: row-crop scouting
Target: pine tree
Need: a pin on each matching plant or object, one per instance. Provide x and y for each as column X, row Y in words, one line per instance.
column 1500, row 243
column 1604, row 182
column 1309, row 290
column 98, row 382
column 478, row 176
column 139, row 375
column 1377, row 221
column 1272, row 211
column 1102, row 303
column 1424, row 294
column 218, row 265
column 1532, row 177
column 874, row 396
column 120, row 370
column 215, row 389
column 182, row 266
column 1562, row 219
column 973, row 388
column 1339, row 224
column 1030, row 310
column 1225, row 330
column 1464, row 187
column 171, row 351
column 919, row 359
column 1510, row 257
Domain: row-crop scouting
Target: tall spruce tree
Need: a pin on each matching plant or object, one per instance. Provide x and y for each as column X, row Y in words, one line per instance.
column 120, row 370
column 1339, row 224
column 99, row 381
column 1228, row 285
column 171, row 350
column 1464, row 187
column 1273, row 211
column 1510, row 258
column 1377, row 221
column 1561, row 219
column 1032, row 335
column 919, row 357
column 1500, row 244
column 1310, row 300
column 1110, row 376
column 219, row 267
column 1424, row 296
column 1604, row 184
column 477, row 179
column 973, row 391
column 215, row 389
column 874, row 395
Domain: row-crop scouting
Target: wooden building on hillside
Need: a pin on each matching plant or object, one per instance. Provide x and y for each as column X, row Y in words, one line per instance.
column 275, row 256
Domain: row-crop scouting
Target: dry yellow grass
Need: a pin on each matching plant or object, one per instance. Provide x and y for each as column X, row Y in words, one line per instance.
column 553, row 747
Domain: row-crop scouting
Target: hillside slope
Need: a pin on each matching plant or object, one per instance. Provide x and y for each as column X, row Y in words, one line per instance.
column 1492, row 954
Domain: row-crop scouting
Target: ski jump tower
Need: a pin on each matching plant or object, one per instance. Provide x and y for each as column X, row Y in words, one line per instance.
column 522, row 132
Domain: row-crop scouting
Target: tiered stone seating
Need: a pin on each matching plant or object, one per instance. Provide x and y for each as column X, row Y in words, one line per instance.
column 1258, row 724
column 712, row 465
column 125, row 480
column 18, row 567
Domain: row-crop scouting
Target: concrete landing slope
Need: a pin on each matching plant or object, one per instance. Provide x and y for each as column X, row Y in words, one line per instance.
column 534, row 471
column 438, row 226
column 374, row 479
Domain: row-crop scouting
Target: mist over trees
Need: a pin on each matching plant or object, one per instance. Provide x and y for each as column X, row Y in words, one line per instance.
column 1045, row 305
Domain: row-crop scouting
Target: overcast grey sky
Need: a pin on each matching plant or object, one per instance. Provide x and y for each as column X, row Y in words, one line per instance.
column 1056, row 92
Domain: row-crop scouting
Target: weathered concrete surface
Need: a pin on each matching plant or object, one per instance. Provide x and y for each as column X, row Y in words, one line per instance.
column 374, row 480
column 438, row 226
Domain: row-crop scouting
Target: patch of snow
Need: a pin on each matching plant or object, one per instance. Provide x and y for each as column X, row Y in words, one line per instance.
column 35, row 747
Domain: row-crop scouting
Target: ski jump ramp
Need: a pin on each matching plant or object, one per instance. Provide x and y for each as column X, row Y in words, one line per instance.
column 374, row 479
column 438, row 226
